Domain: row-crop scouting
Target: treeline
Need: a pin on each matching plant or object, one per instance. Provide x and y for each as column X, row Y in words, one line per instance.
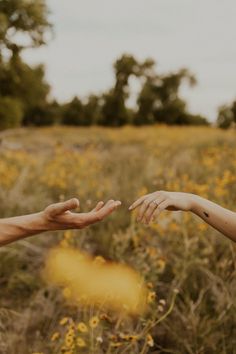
column 24, row 91
column 24, row 97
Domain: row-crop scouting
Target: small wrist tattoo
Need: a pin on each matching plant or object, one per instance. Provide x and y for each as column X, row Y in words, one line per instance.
column 206, row 214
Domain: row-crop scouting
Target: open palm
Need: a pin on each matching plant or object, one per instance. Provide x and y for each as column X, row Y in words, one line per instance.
column 60, row 217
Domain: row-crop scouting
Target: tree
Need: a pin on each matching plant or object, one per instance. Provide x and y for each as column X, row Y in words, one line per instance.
column 27, row 84
column 17, row 79
column 159, row 99
column 114, row 110
column 26, row 17
column 233, row 109
column 73, row 113
column 11, row 113
column 44, row 115
column 226, row 116
column 92, row 110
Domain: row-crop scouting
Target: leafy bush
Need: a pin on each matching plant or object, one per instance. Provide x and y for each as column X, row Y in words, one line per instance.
column 11, row 113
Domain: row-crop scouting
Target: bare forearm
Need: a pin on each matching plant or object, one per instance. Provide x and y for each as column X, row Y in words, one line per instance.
column 218, row 217
column 16, row 228
column 57, row 216
column 151, row 205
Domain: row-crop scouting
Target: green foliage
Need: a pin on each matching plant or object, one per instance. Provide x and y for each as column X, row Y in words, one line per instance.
column 47, row 114
column 26, row 17
column 159, row 101
column 11, row 113
column 73, row 113
column 18, row 79
column 226, row 116
column 114, row 111
column 92, row 110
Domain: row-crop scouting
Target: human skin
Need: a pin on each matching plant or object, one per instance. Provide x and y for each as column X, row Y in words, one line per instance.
column 57, row 216
column 151, row 205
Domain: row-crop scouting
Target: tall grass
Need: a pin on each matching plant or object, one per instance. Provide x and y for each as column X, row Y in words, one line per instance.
column 189, row 267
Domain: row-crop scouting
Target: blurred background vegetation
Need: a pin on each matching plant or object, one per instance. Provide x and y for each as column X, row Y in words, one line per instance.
column 25, row 93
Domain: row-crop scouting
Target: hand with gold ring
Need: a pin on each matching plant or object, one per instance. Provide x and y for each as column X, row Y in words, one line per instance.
column 151, row 205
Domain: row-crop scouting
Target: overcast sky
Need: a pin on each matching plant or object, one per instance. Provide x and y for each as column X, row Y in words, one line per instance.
column 91, row 34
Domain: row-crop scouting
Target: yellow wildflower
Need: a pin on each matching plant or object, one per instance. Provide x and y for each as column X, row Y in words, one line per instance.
column 151, row 297
column 80, row 342
column 129, row 337
column 69, row 341
column 116, row 345
column 64, row 321
column 160, row 265
column 55, row 336
column 82, row 327
column 93, row 322
column 150, row 285
column 150, row 341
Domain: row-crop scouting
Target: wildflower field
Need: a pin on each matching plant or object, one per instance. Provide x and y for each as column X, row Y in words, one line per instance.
column 188, row 268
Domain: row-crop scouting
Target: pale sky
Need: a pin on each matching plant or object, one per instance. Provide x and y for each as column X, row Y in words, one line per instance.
column 91, row 34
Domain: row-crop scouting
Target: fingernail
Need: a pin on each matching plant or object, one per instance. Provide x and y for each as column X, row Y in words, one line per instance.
column 130, row 208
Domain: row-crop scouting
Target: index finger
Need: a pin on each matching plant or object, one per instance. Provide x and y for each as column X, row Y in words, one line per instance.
column 138, row 202
column 108, row 208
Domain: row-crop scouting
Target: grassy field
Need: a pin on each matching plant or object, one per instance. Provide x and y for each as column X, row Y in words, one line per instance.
column 190, row 269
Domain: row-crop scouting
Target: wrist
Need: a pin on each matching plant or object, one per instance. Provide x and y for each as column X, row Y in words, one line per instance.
column 193, row 202
column 39, row 222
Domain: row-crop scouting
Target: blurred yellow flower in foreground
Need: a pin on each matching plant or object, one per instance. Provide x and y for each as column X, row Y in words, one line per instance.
column 116, row 286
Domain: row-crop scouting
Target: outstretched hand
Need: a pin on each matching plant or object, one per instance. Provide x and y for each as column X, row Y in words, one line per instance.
column 151, row 205
column 59, row 216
